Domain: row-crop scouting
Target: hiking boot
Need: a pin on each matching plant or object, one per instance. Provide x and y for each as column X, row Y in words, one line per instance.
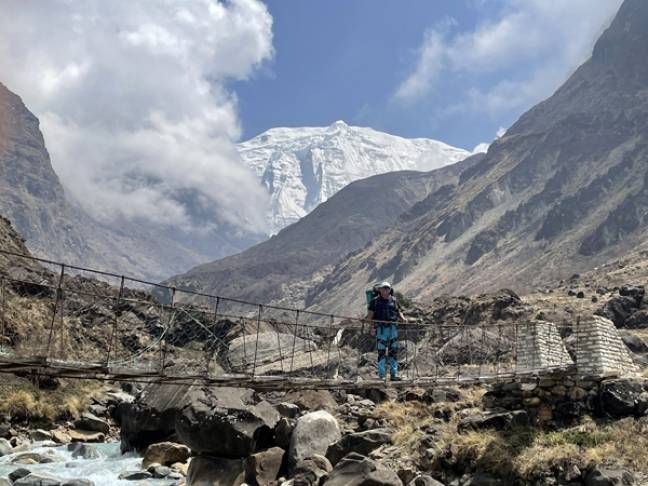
column 396, row 378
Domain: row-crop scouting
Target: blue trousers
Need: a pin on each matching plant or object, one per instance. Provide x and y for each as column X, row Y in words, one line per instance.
column 387, row 345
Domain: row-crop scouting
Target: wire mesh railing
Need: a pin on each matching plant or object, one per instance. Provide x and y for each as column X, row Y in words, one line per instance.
column 75, row 317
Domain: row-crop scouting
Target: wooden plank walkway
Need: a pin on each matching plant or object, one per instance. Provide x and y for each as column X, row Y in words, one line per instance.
column 44, row 367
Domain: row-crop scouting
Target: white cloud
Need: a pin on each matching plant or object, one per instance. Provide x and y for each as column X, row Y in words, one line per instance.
column 134, row 102
column 550, row 37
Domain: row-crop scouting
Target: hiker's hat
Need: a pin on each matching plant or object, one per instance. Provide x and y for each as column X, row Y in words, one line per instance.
column 385, row 285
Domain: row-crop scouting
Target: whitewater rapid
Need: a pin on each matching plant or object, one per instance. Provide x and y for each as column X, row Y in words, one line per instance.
column 104, row 471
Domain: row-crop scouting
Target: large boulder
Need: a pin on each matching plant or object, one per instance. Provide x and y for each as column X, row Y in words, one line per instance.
column 619, row 398
column 312, row 400
column 634, row 343
column 225, row 423
column 636, row 292
column 311, row 470
column 215, row 471
column 263, row 467
column 618, row 310
column 90, row 422
column 357, row 470
column 638, row 320
column 361, row 442
column 497, row 421
column 606, row 476
column 313, row 434
column 151, row 417
column 270, row 349
column 165, row 453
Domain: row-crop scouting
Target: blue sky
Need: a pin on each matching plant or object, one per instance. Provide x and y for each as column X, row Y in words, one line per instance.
column 453, row 70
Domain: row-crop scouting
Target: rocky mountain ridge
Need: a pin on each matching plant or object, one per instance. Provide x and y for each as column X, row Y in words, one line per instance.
column 563, row 191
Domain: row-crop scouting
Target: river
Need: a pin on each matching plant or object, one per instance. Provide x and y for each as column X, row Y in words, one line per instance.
column 104, row 471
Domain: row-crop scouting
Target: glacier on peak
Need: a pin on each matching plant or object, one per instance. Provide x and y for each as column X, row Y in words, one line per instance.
column 302, row 167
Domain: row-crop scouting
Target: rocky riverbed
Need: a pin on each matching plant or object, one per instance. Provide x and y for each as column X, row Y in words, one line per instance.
column 454, row 436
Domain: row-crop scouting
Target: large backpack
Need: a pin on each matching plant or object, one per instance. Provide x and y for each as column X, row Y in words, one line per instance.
column 374, row 292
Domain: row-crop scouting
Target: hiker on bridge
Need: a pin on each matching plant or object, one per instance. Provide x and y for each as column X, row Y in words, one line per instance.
column 384, row 311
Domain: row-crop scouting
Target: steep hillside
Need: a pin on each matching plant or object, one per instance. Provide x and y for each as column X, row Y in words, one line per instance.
column 302, row 167
column 33, row 198
column 565, row 189
column 282, row 268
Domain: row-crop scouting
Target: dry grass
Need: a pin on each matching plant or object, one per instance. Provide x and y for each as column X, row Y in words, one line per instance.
column 526, row 453
column 410, row 419
column 23, row 400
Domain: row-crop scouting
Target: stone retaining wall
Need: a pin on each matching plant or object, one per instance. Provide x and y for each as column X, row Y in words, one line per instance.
column 560, row 395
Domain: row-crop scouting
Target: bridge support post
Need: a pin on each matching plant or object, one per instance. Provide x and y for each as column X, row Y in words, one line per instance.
column 165, row 331
column 256, row 344
column 3, row 326
column 601, row 351
column 55, row 310
column 539, row 345
column 113, row 331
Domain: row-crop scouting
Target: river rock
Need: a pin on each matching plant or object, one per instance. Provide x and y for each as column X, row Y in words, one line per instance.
column 263, row 467
column 84, row 451
column 606, row 476
column 219, row 423
column 86, row 436
column 135, row 475
column 61, row 437
column 91, row 422
column 313, row 434
column 36, row 458
column 5, row 447
column 165, row 453
column 40, row 435
column 16, row 474
column 215, row 471
column 78, row 482
column 159, row 471
column 180, row 467
column 357, row 470
column 361, row 442
column 40, row 479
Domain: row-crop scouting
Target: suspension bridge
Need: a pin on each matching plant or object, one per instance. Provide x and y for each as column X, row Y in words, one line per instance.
column 69, row 321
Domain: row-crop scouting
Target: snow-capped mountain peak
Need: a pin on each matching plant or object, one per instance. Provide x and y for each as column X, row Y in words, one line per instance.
column 302, row 167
